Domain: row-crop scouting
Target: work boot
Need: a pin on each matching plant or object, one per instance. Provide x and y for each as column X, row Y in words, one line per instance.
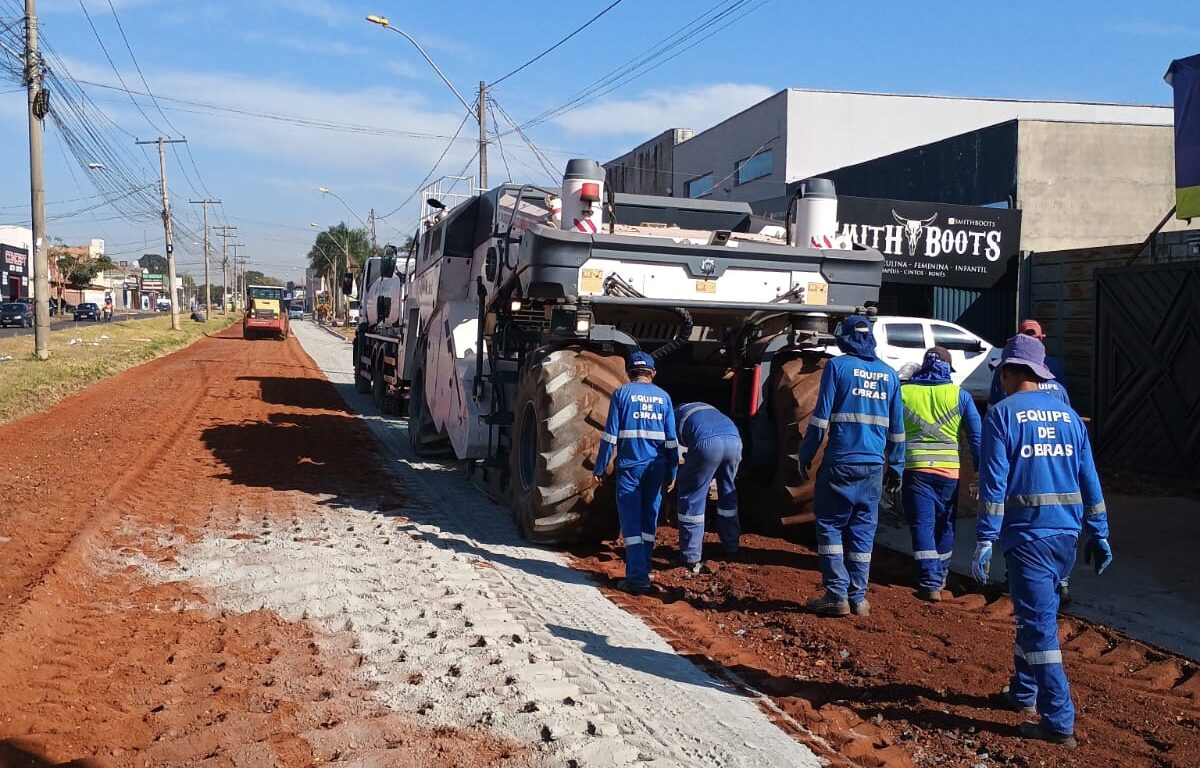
column 633, row 588
column 829, row 605
column 1006, row 700
column 861, row 608
column 694, row 569
column 1043, row 732
column 930, row 595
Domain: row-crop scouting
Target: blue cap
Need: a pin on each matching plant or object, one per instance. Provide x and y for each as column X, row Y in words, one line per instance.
column 1027, row 351
column 640, row 361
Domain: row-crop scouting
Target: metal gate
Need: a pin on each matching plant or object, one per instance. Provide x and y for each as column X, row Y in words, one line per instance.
column 1148, row 369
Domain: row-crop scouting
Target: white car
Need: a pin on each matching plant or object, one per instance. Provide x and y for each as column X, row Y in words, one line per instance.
column 354, row 311
column 901, row 343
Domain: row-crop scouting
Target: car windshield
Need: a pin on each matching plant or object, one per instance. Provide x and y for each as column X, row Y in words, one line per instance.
column 266, row 293
column 12, row 307
column 87, row 305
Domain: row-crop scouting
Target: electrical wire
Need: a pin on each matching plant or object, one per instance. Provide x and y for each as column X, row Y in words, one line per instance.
column 429, row 175
column 499, row 143
column 541, row 55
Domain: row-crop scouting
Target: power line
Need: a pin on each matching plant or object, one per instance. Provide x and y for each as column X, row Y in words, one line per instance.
column 573, row 32
column 113, row 64
column 432, row 171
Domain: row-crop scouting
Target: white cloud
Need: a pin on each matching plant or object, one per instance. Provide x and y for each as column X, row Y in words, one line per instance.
column 698, row 108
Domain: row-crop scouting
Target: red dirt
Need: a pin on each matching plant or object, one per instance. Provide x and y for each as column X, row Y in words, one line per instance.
column 100, row 668
column 910, row 684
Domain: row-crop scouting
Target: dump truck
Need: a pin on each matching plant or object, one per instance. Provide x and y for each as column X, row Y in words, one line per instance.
column 266, row 312
column 503, row 331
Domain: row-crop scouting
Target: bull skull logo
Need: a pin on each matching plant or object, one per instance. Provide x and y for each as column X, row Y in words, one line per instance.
column 913, row 229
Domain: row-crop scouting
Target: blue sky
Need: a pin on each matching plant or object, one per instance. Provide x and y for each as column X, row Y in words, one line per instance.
column 319, row 60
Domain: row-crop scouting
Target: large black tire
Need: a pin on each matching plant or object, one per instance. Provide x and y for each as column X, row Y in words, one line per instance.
column 560, row 412
column 362, row 378
column 793, row 397
column 425, row 440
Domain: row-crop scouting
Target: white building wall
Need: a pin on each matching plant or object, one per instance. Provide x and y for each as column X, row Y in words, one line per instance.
column 814, row 131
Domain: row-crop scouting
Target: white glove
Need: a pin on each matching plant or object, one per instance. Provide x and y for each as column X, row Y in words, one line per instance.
column 981, row 563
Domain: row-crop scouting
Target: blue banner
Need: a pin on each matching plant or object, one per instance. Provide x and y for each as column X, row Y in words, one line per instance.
column 1184, row 78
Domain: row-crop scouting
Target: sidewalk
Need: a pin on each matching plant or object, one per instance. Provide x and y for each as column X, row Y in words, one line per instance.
column 1151, row 592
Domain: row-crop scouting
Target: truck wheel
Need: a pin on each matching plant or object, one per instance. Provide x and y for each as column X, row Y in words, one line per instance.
column 423, row 437
column 792, row 401
column 379, row 393
column 362, row 383
column 560, row 410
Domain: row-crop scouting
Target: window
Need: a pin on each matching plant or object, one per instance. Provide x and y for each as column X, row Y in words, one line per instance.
column 699, row 187
column 906, row 335
column 953, row 338
column 755, row 167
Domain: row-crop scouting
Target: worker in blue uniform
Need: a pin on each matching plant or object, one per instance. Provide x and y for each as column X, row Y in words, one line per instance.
column 935, row 409
column 1038, row 489
column 640, row 432
column 712, row 449
column 859, row 408
column 1055, row 386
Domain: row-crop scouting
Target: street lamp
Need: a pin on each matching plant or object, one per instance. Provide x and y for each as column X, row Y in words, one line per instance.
column 475, row 112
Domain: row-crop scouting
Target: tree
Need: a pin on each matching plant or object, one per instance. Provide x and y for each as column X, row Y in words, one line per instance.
column 332, row 245
column 254, row 277
column 153, row 263
column 78, row 271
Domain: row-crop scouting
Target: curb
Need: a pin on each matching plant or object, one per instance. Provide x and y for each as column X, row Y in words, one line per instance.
column 334, row 333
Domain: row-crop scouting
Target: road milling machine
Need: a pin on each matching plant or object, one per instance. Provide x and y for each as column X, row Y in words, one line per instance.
column 505, row 328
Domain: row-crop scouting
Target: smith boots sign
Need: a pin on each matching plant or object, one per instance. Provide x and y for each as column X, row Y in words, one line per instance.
column 933, row 243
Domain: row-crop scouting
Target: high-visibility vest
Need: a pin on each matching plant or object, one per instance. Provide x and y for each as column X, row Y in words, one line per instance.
column 931, row 422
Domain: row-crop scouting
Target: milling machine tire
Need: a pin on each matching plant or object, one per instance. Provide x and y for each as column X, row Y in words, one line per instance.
column 424, row 438
column 560, row 411
column 793, row 397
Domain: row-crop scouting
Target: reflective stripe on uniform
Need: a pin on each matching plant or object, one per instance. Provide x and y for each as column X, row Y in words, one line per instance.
column 921, row 446
column 608, row 438
column 931, row 443
column 863, row 418
column 925, row 554
column 829, row 549
column 813, row 421
column 993, row 509
column 945, row 556
column 645, row 434
column 631, row 540
column 1039, row 657
column 691, row 518
column 670, row 444
column 691, row 408
column 859, row 557
column 731, row 512
column 647, row 538
column 1043, row 499
column 895, row 437
column 1096, row 509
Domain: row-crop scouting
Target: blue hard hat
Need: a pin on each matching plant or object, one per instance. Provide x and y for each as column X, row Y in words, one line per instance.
column 640, row 361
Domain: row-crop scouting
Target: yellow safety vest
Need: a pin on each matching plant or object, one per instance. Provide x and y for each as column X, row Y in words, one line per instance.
column 931, row 422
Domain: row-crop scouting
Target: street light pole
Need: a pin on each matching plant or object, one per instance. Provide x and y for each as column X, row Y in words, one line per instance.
column 477, row 112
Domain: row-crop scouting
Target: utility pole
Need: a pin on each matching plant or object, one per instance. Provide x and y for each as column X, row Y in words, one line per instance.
column 482, row 115
column 207, row 285
column 38, row 106
column 371, row 218
column 166, row 217
column 225, row 235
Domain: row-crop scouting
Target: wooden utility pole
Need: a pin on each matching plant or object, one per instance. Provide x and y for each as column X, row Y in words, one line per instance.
column 225, row 235
column 207, row 285
column 38, row 106
column 481, row 108
column 167, row 231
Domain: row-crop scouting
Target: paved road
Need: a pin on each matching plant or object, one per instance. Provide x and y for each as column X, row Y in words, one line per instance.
column 66, row 322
